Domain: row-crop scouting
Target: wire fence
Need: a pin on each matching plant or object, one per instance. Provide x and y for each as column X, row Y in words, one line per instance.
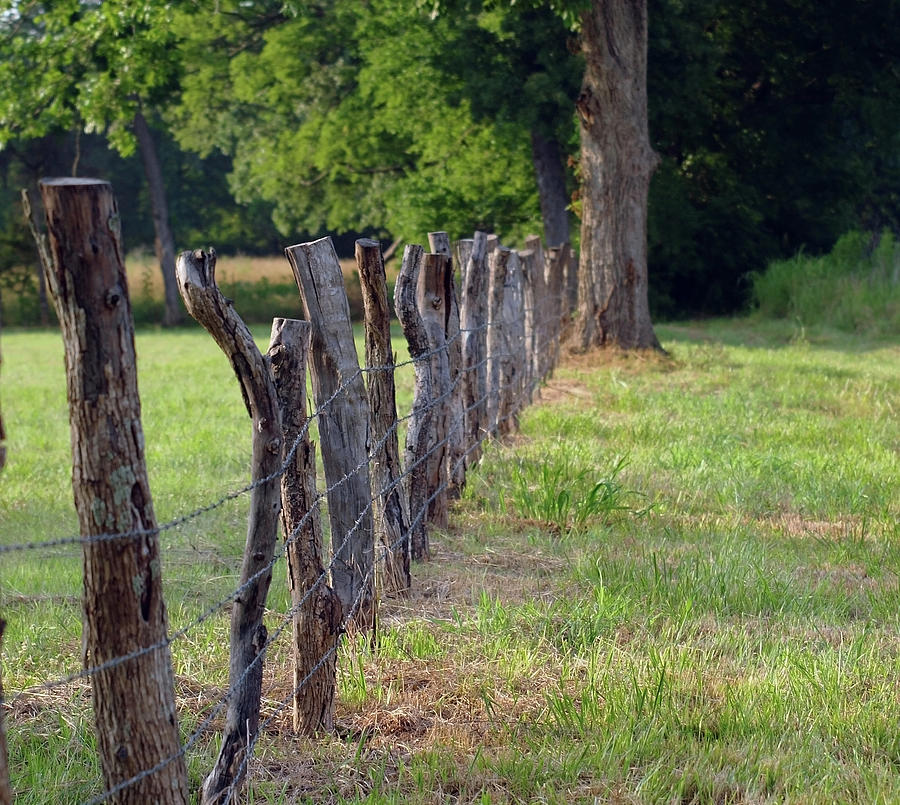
column 546, row 319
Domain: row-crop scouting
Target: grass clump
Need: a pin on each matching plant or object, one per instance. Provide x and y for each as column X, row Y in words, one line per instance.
column 854, row 288
column 555, row 490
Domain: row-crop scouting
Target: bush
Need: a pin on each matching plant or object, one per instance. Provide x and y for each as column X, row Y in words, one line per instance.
column 855, row 288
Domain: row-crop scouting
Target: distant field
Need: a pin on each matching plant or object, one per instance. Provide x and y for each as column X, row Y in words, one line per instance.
column 722, row 629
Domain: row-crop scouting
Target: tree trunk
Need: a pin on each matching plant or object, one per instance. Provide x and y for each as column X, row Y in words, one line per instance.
column 389, row 502
column 616, row 163
column 165, row 244
column 551, row 182
column 317, row 612
column 134, row 701
column 204, row 301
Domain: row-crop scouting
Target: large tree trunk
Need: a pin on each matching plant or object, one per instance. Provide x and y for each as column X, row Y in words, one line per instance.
column 165, row 243
column 616, row 162
column 551, row 181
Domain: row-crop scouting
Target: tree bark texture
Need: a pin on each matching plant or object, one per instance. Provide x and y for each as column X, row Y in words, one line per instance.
column 498, row 259
column 343, row 426
column 196, row 273
column 473, row 326
column 422, row 411
column 164, row 242
column 317, row 612
column 550, row 172
column 439, row 242
column 390, row 503
column 616, row 165
column 432, row 303
column 134, row 701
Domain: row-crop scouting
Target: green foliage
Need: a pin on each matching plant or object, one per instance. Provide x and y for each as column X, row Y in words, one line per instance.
column 854, row 288
column 779, row 128
column 84, row 65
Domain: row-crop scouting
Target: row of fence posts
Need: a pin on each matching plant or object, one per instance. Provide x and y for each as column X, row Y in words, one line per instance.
column 479, row 350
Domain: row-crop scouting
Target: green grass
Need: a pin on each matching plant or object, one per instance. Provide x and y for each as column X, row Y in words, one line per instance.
column 718, row 623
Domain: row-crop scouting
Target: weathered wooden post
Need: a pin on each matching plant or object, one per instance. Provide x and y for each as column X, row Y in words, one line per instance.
column 439, row 242
column 542, row 315
column 420, row 421
column 498, row 259
column 527, row 260
column 556, row 267
column 571, row 286
column 390, row 504
column 432, row 303
column 316, row 609
column 196, row 274
column 124, row 612
column 513, row 365
column 463, row 253
column 473, row 326
column 340, row 392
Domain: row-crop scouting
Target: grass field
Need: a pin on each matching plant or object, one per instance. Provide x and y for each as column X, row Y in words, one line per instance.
column 679, row 583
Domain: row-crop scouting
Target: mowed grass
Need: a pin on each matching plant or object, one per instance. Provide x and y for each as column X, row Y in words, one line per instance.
column 679, row 583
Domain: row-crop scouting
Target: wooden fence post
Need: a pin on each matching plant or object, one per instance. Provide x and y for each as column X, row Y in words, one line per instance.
column 542, row 315
column 556, row 267
column 571, row 285
column 432, row 303
column 124, row 612
column 420, row 421
column 513, row 365
column 527, row 260
column 473, row 325
column 340, row 392
column 317, row 611
column 439, row 242
column 498, row 259
column 196, row 274
column 390, row 504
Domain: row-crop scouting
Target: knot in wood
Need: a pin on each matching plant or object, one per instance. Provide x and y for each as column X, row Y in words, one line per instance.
column 435, row 302
column 112, row 296
column 274, row 445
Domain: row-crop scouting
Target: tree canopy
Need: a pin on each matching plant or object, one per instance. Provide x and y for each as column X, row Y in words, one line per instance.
column 777, row 122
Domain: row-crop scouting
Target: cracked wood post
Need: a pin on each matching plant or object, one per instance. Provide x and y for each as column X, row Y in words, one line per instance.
column 432, row 303
column 124, row 611
column 528, row 260
column 339, row 390
column 439, row 243
column 317, row 612
column 513, row 365
column 196, row 273
column 420, row 419
column 473, row 325
column 541, row 309
column 498, row 259
column 389, row 501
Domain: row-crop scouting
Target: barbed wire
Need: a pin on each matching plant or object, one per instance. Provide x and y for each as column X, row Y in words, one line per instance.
column 459, row 416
